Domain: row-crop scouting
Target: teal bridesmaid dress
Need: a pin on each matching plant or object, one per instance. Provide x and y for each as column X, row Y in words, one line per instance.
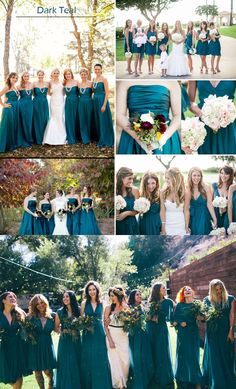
column 234, row 207
column 138, row 50
column 86, row 119
column 25, row 131
column 103, row 120
column 130, row 39
column 215, row 47
column 164, row 41
column 188, row 347
column 71, row 114
column 68, row 373
column 185, row 102
column 200, row 217
column 150, row 222
column 73, row 219
column 9, row 123
column 129, row 225
column 222, row 219
column 95, row 367
column 160, row 345
column 218, row 358
column 224, row 141
column 40, row 113
column 31, row 225
column 42, row 355
column 142, row 99
column 202, row 47
column 88, row 222
column 151, row 49
column 48, row 225
column 188, row 42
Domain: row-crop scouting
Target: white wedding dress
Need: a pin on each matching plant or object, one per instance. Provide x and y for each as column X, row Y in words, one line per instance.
column 177, row 62
column 55, row 133
column 60, row 222
column 175, row 223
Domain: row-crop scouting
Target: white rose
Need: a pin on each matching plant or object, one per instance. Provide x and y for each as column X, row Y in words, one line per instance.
column 146, row 117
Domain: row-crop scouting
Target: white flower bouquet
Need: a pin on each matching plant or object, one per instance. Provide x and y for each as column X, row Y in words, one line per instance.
column 193, row 133
column 176, row 37
column 220, row 202
column 218, row 232
column 161, row 36
column 232, row 229
column 120, row 203
column 202, row 35
column 213, row 32
column 142, row 205
column 218, row 112
column 152, row 40
column 128, row 54
column 192, row 51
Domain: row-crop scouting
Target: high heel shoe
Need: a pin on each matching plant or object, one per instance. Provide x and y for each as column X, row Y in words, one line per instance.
column 201, row 70
column 206, row 72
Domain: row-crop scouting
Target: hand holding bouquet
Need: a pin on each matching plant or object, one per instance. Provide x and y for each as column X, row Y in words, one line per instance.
column 120, row 203
column 61, row 213
column 152, row 40
column 232, row 229
column 177, row 38
column 218, row 112
column 220, row 202
column 218, row 232
column 161, row 36
column 193, row 133
column 142, row 205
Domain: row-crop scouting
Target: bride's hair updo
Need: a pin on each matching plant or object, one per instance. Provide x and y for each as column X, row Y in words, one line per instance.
column 60, row 191
column 32, row 189
column 53, row 71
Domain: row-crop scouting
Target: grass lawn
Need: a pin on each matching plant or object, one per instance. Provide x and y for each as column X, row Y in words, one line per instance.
column 228, row 31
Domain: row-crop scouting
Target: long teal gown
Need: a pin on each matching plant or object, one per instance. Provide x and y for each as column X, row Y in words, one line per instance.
column 222, row 219
column 130, row 39
column 200, row 217
column 73, row 219
column 48, row 225
column 25, row 131
column 9, row 123
column 234, row 207
column 86, row 112
column 188, row 346
column 218, row 358
column 103, row 120
column 164, row 41
column 68, row 375
column 160, row 345
column 88, row 222
column 129, row 225
column 188, row 42
column 215, row 47
column 40, row 113
column 142, row 99
column 95, row 366
column 202, row 47
column 31, row 225
column 42, row 355
column 71, row 114
column 151, row 49
column 224, row 141
column 150, row 222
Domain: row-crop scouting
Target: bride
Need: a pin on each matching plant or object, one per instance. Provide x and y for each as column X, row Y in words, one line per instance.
column 177, row 61
column 55, row 133
column 60, row 204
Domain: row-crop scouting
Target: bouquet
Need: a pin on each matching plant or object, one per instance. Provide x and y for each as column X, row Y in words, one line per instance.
column 85, row 206
column 218, row 232
column 128, row 54
column 197, row 308
column 220, row 202
column 132, row 318
column 212, row 316
column 193, row 133
column 2, row 335
column 29, row 331
column 38, row 212
column 72, row 326
column 176, row 37
column 218, row 112
column 155, row 311
column 232, row 229
column 47, row 214
column 161, row 36
column 120, row 203
column 192, row 51
column 61, row 213
column 152, row 40
column 142, row 205
column 71, row 207
column 202, row 35
column 213, row 33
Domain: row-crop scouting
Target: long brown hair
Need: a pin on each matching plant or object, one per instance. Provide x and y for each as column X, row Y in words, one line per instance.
column 153, row 197
column 154, row 27
column 17, row 313
column 8, row 80
column 64, row 75
column 167, row 30
column 98, row 291
column 33, row 311
column 190, row 28
column 122, row 173
column 155, row 293
column 177, row 185
column 200, row 185
column 229, row 171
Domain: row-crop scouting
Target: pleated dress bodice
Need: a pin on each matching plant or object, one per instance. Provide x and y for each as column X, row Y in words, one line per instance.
column 200, row 218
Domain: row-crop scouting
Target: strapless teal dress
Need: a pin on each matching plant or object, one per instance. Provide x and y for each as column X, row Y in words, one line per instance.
column 222, row 219
column 9, row 123
column 224, row 141
column 88, row 222
column 73, row 219
column 40, row 113
column 48, row 225
column 200, row 217
column 129, row 225
column 151, row 49
column 71, row 114
column 185, row 102
column 150, row 222
column 103, row 120
column 203, row 47
column 162, row 42
column 86, row 119
column 31, row 225
column 142, row 99
column 234, row 206
column 25, row 132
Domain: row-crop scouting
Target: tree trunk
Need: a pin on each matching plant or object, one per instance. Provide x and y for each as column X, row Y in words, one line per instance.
column 2, row 221
column 231, row 13
column 92, row 31
column 7, row 37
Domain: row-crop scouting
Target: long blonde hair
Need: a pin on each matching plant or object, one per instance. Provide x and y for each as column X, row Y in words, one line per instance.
column 181, row 28
column 201, row 188
column 33, row 311
column 176, row 186
column 153, row 197
column 22, row 82
column 213, row 294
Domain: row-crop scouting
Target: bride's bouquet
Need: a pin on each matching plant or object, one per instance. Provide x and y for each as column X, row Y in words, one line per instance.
column 220, row 202
column 218, row 112
column 61, row 214
column 177, row 37
column 142, row 205
column 193, row 133
column 152, row 40
column 120, row 203
column 132, row 318
column 161, row 36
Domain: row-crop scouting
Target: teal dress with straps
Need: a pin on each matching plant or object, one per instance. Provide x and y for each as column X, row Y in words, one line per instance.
column 222, row 219
column 9, row 123
column 130, row 40
column 40, row 113
column 25, row 133
column 164, row 41
column 129, row 225
column 103, row 120
column 72, row 114
column 200, row 217
column 150, row 222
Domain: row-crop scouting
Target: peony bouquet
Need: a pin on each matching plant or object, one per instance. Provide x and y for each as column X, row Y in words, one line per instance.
column 128, row 54
column 120, row 203
column 218, row 112
column 177, row 38
column 142, row 205
column 218, row 232
column 161, row 36
column 193, row 133
column 232, row 229
column 152, row 40
column 220, row 202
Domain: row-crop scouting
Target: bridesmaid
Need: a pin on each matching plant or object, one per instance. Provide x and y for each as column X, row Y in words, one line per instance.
column 190, row 43
column 42, row 356
column 30, row 224
column 140, row 350
column 188, row 372
column 128, row 44
column 138, row 50
column 95, row 366
column 198, row 204
column 88, row 222
column 86, row 112
column 151, row 47
column 218, row 358
column 73, row 214
column 126, row 222
column 232, row 204
column 10, row 114
column 150, row 222
column 159, row 336
column 71, row 107
column 165, row 40
column 202, row 45
column 102, row 111
column 25, row 132
column 40, row 107
column 69, row 349
column 47, row 220
column 214, row 48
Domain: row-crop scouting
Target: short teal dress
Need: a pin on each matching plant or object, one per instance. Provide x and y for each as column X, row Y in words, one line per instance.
column 40, row 113
column 160, row 345
column 138, row 50
column 95, row 367
column 71, row 114
column 150, row 222
column 200, row 217
column 48, row 225
column 73, row 219
column 234, row 207
column 187, row 369
column 42, row 354
column 151, row 49
column 222, row 219
column 188, row 42
column 129, row 225
column 9, row 123
column 218, row 358
column 88, row 222
column 103, row 120
column 202, row 47
column 25, row 132
column 215, row 46
column 224, row 141
column 68, row 373
column 164, row 41
column 130, row 39
column 142, row 99
column 86, row 114
column 31, row 225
